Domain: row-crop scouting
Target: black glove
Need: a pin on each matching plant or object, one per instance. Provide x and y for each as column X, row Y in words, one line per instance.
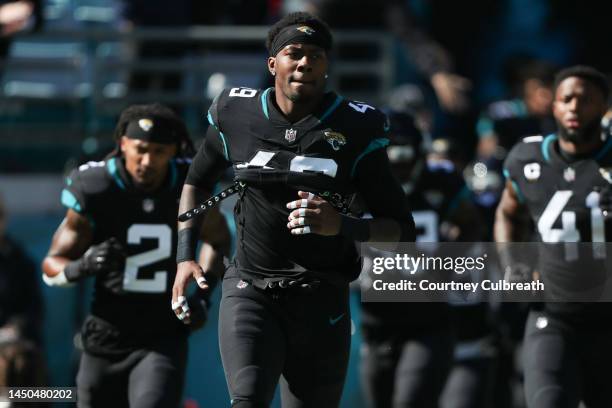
column 102, row 258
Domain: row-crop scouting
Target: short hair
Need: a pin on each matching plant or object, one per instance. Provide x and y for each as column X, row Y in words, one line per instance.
column 587, row 73
column 299, row 17
column 155, row 110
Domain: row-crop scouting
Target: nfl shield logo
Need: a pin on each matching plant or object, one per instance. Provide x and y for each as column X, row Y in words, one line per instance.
column 290, row 135
column 569, row 174
column 148, row 205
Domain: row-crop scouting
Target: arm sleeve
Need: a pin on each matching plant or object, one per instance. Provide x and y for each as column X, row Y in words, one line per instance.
column 210, row 162
column 382, row 192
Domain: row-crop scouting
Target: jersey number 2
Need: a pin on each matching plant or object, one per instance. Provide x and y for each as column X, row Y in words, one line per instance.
column 163, row 234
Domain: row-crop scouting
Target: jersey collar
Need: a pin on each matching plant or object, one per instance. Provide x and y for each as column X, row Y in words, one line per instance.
column 117, row 170
column 328, row 105
column 550, row 151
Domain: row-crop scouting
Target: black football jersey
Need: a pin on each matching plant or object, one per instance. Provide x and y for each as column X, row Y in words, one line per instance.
column 336, row 151
column 137, row 298
column 563, row 201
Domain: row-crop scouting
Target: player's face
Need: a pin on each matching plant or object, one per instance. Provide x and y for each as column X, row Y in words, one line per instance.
column 578, row 108
column 147, row 162
column 300, row 71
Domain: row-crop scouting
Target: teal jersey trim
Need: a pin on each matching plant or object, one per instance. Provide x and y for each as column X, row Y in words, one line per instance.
column 112, row 170
column 68, row 181
column 545, row 144
column 225, row 152
column 604, row 150
column 264, row 102
column 221, row 136
column 332, row 108
column 69, row 200
column 515, row 186
column 374, row 145
column 210, row 120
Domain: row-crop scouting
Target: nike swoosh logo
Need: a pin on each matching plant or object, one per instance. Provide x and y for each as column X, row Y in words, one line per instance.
column 333, row 321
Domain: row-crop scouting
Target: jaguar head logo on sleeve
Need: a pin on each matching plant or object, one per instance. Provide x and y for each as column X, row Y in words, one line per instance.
column 335, row 139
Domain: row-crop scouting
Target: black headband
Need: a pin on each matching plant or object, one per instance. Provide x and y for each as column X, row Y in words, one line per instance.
column 299, row 34
column 152, row 130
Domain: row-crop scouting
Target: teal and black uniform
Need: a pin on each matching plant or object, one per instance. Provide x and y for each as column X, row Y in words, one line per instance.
column 265, row 330
column 567, row 343
column 134, row 345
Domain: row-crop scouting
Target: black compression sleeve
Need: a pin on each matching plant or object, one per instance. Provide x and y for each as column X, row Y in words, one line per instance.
column 382, row 192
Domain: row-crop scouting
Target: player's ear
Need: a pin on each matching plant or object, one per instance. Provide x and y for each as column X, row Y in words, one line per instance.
column 272, row 65
column 123, row 143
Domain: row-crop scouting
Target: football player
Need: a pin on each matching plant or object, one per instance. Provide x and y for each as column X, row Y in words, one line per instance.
column 408, row 347
column 301, row 154
column 120, row 228
column 558, row 180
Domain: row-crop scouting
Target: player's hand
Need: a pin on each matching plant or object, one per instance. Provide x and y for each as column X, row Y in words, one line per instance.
column 102, row 258
column 313, row 215
column 185, row 271
column 451, row 91
column 198, row 311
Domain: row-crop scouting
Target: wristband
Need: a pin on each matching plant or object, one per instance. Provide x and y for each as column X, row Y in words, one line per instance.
column 186, row 245
column 355, row 229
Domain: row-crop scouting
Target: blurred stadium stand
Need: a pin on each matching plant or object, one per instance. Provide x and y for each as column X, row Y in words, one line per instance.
column 64, row 86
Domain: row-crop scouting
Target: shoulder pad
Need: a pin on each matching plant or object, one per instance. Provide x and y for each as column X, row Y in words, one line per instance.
column 228, row 97
column 90, row 178
column 530, row 149
column 367, row 118
column 533, row 139
column 525, row 152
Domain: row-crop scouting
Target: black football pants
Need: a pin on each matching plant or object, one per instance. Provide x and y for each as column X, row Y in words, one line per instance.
column 142, row 379
column 566, row 363
column 301, row 336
